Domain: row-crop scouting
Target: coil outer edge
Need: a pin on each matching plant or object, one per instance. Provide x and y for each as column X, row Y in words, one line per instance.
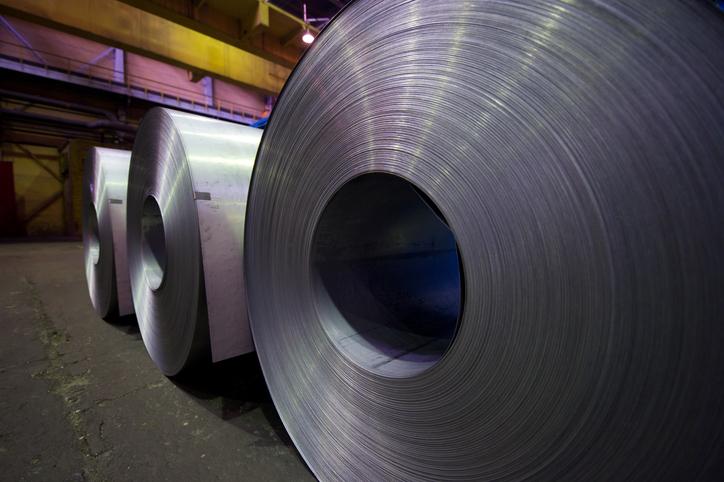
column 201, row 303
column 104, row 191
column 575, row 150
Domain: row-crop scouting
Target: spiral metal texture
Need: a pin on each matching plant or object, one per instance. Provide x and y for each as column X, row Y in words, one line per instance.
column 575, row 151
column 105, row 180
column 187, row 192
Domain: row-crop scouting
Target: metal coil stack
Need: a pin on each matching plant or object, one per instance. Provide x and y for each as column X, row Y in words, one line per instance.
column 496, row 248
column 187, row 191
column 483, row 241
column 104, row 231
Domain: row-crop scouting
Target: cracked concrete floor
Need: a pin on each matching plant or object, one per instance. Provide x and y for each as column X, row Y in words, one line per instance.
column 81, row 400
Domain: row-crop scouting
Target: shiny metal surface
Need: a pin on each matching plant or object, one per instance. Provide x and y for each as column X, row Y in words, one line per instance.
column 187, row 194
column 575, row 151
column 105, row 180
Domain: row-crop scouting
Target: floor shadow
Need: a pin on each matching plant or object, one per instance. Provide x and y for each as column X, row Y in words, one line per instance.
column 231, row 388
column 127, row 324
column 236, row 379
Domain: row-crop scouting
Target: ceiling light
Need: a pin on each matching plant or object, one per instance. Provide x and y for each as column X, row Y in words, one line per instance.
column 307, row 38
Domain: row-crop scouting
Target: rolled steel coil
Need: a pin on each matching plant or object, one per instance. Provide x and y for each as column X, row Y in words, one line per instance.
column 105, row 179
column 187, row 192
column 497, row 247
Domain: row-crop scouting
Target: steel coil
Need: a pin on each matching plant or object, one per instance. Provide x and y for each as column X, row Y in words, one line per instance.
column 105, row 179
column 187, row 191
column 496, row 242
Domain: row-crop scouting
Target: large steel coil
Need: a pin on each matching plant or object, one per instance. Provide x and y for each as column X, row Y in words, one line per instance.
column 105, row 179
column 187, row 192
column 496, row 247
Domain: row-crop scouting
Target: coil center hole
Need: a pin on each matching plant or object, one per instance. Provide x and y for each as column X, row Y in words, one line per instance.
column 387, row 276
column 94, row 244
column 153, row 243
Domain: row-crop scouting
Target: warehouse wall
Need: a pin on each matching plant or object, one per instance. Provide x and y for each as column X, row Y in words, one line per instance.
column 74, row 156
column 34, row 186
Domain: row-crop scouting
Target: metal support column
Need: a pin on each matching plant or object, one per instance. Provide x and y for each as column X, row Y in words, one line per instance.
column 22, row 39
column 119, row 66
column 208, row 84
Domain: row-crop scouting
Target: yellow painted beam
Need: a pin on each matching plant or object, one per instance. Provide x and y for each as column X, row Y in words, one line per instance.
column 258, row 21
column 227, row 20
column 121, row 25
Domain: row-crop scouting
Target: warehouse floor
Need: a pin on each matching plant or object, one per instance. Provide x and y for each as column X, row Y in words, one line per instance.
column 81, row 400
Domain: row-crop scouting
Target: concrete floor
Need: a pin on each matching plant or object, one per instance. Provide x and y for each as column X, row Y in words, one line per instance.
column 81, row 400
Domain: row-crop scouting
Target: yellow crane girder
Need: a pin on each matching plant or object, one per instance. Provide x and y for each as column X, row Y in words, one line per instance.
column 116, row 23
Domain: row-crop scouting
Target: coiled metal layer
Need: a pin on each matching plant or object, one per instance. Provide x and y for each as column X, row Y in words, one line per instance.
column 496, row 247
column 187, row 192
column 105, row 181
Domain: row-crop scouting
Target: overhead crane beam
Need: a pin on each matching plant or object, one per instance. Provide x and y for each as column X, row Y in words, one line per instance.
column 255, row 26
column 116, row 23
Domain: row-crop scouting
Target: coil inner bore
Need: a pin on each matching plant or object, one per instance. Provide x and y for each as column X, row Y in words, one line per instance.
column 387, row 276
column 153, row 243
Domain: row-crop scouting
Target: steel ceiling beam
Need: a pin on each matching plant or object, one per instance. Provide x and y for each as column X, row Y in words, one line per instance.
column 124, row 26
column 21, row 38
column 222, row 110
column 255, row 26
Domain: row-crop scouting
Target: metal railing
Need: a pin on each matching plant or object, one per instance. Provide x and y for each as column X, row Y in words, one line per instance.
column 21, row 58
